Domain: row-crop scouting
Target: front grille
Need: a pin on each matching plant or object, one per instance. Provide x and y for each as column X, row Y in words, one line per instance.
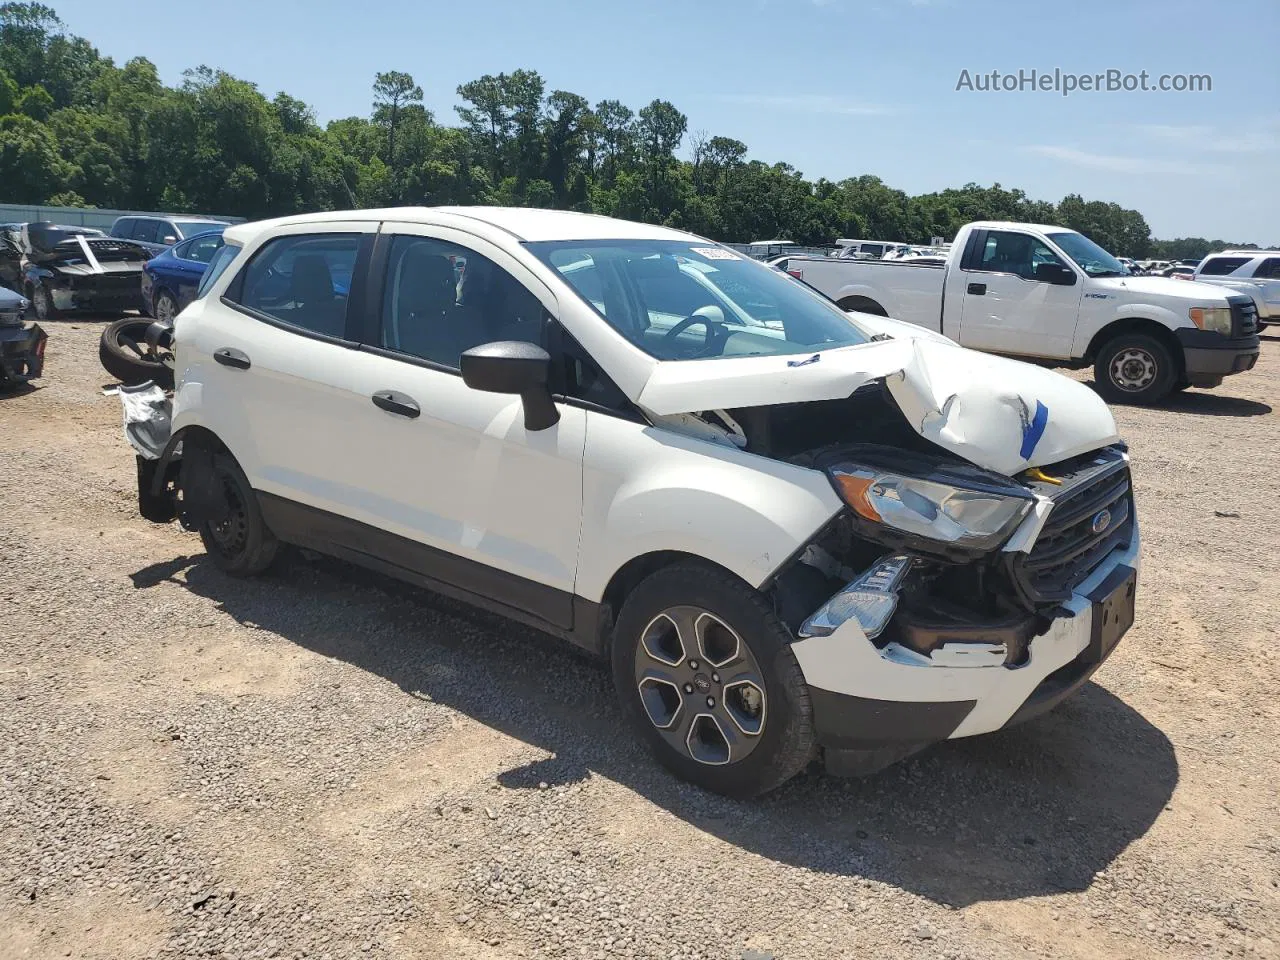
column 1244, row 316
column 107, row 284
column 1069, row 547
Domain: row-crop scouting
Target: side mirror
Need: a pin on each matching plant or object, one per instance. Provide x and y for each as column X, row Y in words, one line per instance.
column 168, row 239
column 1055, row 273
column 512, row 366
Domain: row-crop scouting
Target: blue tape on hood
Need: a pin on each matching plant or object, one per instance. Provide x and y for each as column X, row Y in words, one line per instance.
column 1033, row 430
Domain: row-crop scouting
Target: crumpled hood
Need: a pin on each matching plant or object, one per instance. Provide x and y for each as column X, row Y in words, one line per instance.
column 1191, row 291
column 1000, row 414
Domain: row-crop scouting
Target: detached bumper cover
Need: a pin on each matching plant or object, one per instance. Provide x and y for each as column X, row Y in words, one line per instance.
column 21, row 353
column 868, row 698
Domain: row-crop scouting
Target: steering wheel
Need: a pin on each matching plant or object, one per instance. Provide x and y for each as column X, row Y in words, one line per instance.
column 710, row 340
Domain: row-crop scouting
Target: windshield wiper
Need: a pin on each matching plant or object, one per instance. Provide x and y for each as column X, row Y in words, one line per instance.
column 1107, row 273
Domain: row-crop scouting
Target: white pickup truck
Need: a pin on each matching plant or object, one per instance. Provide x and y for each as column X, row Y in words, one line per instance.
column 1255, row 272
column 1052, row 295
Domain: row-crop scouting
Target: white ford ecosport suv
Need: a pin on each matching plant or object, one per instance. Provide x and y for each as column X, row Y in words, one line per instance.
column 793, row 531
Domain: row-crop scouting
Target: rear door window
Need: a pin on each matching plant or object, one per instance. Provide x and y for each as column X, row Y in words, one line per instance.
column 1268, row 269
column 303, row 281
column 145, row 230
column 123, row 228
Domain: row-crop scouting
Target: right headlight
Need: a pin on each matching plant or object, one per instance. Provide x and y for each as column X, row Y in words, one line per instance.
column 936, row 510
column 1217, row 319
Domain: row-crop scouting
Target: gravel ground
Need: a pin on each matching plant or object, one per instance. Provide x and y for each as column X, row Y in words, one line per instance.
column 321, row 764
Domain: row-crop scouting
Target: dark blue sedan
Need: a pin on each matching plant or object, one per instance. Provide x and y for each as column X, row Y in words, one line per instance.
column 170, row 279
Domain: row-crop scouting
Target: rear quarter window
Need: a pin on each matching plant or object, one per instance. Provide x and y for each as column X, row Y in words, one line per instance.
column 222, row 258
column 1222, row 266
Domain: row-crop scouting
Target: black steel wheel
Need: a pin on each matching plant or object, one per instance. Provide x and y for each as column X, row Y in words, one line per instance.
column 237, row 539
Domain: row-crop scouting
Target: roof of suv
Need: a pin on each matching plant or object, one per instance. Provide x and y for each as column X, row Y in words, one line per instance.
column 524, row 223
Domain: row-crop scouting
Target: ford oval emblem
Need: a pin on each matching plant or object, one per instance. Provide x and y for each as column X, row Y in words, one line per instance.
column 1101, row 520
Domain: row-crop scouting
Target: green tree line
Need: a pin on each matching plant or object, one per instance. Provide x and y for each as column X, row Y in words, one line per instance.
column 77, row 130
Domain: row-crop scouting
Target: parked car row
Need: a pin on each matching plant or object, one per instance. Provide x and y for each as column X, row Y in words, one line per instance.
column 148, row 264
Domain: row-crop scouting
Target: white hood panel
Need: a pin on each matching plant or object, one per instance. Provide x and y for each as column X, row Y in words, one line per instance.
column 1000, row 414
column 1189, row 291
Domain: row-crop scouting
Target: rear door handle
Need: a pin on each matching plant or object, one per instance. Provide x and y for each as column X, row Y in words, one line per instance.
column 977, row 289
column 400, row 404
column 231, row 357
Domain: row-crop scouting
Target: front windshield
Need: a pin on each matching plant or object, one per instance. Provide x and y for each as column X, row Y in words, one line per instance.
column 190, row 228
column 1089, row 257
column 685, row 300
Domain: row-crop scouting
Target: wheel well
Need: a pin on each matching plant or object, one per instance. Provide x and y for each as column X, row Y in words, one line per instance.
column 629, row 576
column 1136, row 325
column 206, row 438
column 862, row 305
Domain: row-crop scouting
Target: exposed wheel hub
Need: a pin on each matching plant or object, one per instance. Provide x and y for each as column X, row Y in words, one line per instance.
column 1133, row 369
column 232, row 532
column 700, row 686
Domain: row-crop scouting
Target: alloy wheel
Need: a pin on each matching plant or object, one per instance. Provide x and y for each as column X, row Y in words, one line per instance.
column 700, row 686
column 165, row 308
column 1133, row 369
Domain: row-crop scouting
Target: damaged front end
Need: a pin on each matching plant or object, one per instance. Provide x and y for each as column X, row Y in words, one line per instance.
column 945, row 599
column 176, row 478
column 21, row 348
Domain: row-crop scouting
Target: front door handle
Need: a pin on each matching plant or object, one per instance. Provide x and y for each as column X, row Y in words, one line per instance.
column 398, row 403
column 231, row 357
column 977, row 289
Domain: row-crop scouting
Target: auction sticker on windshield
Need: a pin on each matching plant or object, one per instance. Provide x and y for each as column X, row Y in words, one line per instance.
column 714, row 253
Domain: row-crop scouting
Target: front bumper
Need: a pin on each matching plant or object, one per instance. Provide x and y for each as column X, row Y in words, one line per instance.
column 895, row 701
column 1209, row 356
column 117, row 296
column 21, row 353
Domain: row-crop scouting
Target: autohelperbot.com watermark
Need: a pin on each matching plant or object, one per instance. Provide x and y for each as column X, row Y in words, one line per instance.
column 1066, row 83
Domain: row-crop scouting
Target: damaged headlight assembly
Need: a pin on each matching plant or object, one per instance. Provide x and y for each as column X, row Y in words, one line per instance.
column 932, row 509
column 978, row 519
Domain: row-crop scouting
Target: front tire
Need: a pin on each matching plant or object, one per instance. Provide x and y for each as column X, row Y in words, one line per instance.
column 1135, row 368
column 705, row 672
column 240, row 543
column 42, row 302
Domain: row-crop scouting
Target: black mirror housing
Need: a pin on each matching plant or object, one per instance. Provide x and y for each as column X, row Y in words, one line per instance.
column 1055, row 273
column 516, row 367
